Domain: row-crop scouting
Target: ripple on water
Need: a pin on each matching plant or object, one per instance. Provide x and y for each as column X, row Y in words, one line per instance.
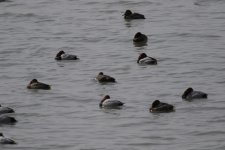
column 186, row 37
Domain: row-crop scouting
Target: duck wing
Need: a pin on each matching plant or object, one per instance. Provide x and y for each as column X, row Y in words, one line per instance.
column 163, row 108
column 7, row 120
column 7, row 141
column 148, row 61
column 106, row 78
column 199, row 94
column 69, row 57
column 40, row 85
column 112, row 103
column 138, row 16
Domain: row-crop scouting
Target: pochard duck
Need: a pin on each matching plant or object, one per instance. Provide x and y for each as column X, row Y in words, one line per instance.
column 5, row 110
column 106, row 102
column 140, row 38
column 63, row 56
column 146, row 60
column 35, row 84
column 160, row 107
column 7, row 120
column 104, row 78
column 5, row 140
column 190, row 94
column 129, row 15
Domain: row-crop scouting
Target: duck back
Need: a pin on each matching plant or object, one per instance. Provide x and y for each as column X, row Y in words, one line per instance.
column 5, row 110
column 39, row 85
column 7, row 120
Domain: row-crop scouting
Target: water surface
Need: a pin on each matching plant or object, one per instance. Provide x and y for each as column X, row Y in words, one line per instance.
column 186, row 37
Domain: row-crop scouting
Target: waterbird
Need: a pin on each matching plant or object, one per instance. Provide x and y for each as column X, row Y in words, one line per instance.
column 143, row 59
column 101, row 77
column 4, row 119
column 61, row 55
column 5, row 110
column 35, row 84
column 140, row 38
column 190, row 94
column 159, row 107
column 5, row 140
column 107, row 102
column 129, row 15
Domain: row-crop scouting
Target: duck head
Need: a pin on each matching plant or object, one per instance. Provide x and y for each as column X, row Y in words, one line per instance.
column 58, row 56
column 155, row 103
column 1, row 134
column 188, row 91
column 33, row 81
column 104, row 98
column 13, row 120
column 138, row 35
column 141, row 56
column 101, row 73
column 127, row 13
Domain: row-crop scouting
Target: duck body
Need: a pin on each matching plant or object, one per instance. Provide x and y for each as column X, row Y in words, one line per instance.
column 35, row 84
column 143, row 59
column 104, row 78
column 148, row 61
column 7, row 120
column 159, row 107
column 5, row 140
column 106, row 102
column 128, row 15
column 190, row 94
column 63, row 56
column 140, row 38
column 5, row 110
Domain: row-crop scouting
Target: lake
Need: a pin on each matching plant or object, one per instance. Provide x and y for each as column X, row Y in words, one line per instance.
column 186, row 37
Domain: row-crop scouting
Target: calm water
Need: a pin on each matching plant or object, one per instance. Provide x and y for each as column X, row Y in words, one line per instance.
column 187, row 38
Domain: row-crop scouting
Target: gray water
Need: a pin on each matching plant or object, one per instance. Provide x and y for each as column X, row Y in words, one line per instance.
column 186, row 37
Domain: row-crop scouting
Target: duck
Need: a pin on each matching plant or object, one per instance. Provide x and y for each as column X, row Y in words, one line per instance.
column 190, row 94
column 7, row 120
column 106, row 102
column 160, row 107
column 5, row 110
column 101, row 77
column 5, row 140
column 140, row 38
column 35, row 84
column 63, row 56
column 129, row 15
column 143, row 59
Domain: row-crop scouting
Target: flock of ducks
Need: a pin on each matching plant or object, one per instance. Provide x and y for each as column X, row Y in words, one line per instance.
column 106, row 102
column 5, row 119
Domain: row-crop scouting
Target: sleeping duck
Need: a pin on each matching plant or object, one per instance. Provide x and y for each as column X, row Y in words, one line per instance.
column 5, row 110
column 190, row 94
column 143, row 59
column 129, row 15
column 5, row 140
column 63, row 56
column 7, row 120
column 159, row 107
column 35, row 84
column 140, row 38
column 106, row 102
column 104, row 78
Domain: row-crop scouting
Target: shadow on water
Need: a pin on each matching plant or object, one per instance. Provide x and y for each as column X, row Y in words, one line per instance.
column 5, row 1
column 141, row 44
